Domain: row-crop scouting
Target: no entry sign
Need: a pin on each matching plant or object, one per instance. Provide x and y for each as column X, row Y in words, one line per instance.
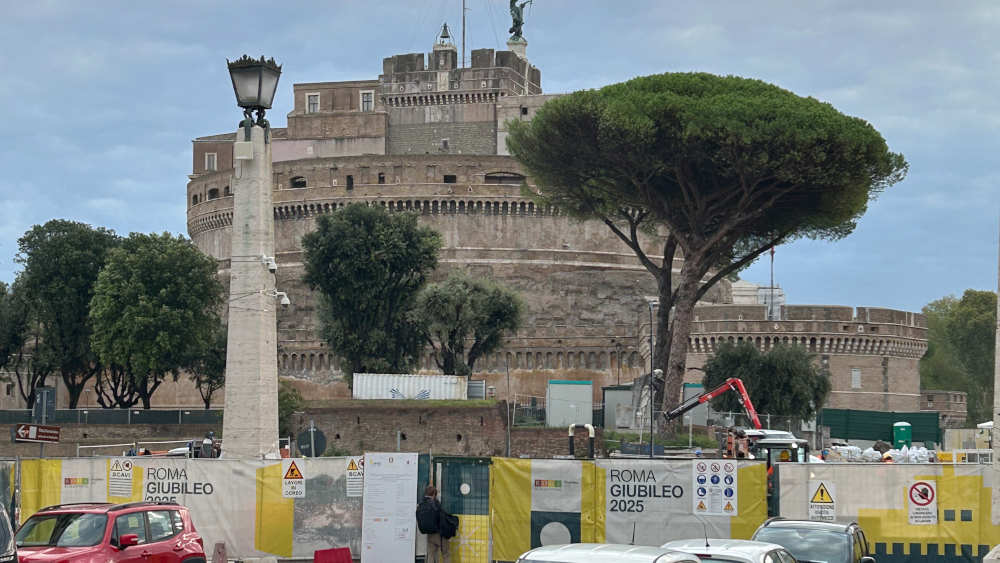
column 922, row 501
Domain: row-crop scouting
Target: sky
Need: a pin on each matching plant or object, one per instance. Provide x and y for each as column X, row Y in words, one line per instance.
column 103, row 99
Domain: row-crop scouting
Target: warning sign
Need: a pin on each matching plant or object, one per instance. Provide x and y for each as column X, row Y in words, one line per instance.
column 355, row 476
column 293, row 484
column 822, row 503
column 120, row 478
column 715, row 488
column 922, row 501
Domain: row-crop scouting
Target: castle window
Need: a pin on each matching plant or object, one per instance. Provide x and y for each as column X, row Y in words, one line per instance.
column 312, row 103
column 368, row 100
column 194, row 199
column 855, row 378
column 213, row 193
column 350, row 182
column 226, row 191
column 381, row 177
column 444, row 144
column 450, row 179
column 211, row 161
column 504, row 178
column 524, row 110
column 298, row 182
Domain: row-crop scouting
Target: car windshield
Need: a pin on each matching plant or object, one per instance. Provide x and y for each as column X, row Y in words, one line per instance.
column 822, row 546
column 77, row 529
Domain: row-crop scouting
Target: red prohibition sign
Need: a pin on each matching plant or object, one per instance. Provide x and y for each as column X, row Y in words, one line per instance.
column 921, row 493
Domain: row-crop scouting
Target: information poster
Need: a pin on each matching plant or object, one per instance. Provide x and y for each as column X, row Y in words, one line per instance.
column 714, row 484
column 388, row 526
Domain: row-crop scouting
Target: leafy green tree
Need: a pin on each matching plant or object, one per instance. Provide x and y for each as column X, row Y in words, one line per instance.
column 368, row 266
column 716, row 170
column 19, row 338
column 155, row 309
column 61, row 261
column 208, row 370
column 960, row 353
column 785, row 381
column 115, row 388
column 289, row 402
column 461, row 308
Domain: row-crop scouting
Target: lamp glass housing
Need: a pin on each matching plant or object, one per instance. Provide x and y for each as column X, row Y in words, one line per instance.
column 254, row 81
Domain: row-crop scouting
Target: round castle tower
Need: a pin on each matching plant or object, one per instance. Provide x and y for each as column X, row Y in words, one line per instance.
column 429, row 137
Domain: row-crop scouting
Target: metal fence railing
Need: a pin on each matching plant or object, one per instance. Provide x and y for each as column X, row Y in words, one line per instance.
column 117, row 416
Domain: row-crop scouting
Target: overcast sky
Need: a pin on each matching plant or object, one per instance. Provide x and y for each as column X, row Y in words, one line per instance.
column 102, row 100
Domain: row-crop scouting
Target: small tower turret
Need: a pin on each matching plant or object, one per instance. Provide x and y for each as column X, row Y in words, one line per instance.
column 445, row 54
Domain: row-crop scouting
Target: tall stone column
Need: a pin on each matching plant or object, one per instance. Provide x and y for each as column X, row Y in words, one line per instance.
column 995, row 431
column 250, row 421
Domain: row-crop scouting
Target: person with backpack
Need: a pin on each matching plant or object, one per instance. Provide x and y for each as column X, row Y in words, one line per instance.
column 437, row 524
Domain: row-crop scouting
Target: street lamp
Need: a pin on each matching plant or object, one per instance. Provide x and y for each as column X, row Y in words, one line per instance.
column 250, row 418
column 254, row 82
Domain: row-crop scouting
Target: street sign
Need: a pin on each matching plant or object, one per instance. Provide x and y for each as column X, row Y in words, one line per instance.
column 305, row 442
column 36, row 433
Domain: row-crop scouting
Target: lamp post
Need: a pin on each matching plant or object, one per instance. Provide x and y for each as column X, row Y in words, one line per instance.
column 652, row 375
column 250, row 419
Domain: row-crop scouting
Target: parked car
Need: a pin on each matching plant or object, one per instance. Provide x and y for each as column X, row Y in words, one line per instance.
column 821, row 542
column 604, row 552
column 136, row 531
column 733, row 551
column 8, row 551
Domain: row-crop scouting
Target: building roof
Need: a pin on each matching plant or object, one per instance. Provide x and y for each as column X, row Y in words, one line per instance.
column 276, row 133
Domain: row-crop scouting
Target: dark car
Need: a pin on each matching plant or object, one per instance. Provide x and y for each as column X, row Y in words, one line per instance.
column 110, row 533
column 819, row 542
column 8, row 552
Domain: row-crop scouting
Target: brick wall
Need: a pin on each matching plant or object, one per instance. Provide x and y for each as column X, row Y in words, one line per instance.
column 357, row 426
column 94, row 434
column 463, row 138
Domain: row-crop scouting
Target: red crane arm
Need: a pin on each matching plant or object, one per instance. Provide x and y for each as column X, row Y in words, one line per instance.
column 733, row 384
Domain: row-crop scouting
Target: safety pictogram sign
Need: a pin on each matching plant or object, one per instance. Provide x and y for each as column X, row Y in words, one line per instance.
column 293, row 472
column 355, row 476
column 120, row 478
column 922, row 501
column 822, row 501
column 293, row 484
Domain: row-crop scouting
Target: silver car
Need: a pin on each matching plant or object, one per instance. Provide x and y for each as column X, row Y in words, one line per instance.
column 603, row 553
column 733, row 551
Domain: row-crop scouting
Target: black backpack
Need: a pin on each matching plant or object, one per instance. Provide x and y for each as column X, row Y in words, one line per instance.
column 427, row 516
column 449, row 525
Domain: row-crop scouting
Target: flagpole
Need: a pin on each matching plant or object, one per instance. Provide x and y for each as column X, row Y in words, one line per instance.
column 770, row 307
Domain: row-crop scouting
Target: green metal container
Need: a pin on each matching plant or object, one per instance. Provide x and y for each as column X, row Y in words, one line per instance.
column 902, row 435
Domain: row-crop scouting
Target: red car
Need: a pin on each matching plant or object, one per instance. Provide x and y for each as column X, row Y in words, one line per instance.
column 137, row 532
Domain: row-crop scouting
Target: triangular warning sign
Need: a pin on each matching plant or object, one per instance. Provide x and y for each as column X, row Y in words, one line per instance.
column 822, row 496
column 116, row 466
column 293, row 472
column 352, row 466
column 729, row 507
column 701, row 505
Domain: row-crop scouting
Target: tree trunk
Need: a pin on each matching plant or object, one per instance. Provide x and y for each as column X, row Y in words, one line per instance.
column 685, row 298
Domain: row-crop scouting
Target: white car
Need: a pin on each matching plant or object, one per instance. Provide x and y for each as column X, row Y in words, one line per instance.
column 733, row 551
column 604, row 552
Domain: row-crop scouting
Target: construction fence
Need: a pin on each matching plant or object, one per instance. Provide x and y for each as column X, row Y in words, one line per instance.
column 507, row 506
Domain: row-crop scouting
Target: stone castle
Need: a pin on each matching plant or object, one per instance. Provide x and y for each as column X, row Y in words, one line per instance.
column 428, row 136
